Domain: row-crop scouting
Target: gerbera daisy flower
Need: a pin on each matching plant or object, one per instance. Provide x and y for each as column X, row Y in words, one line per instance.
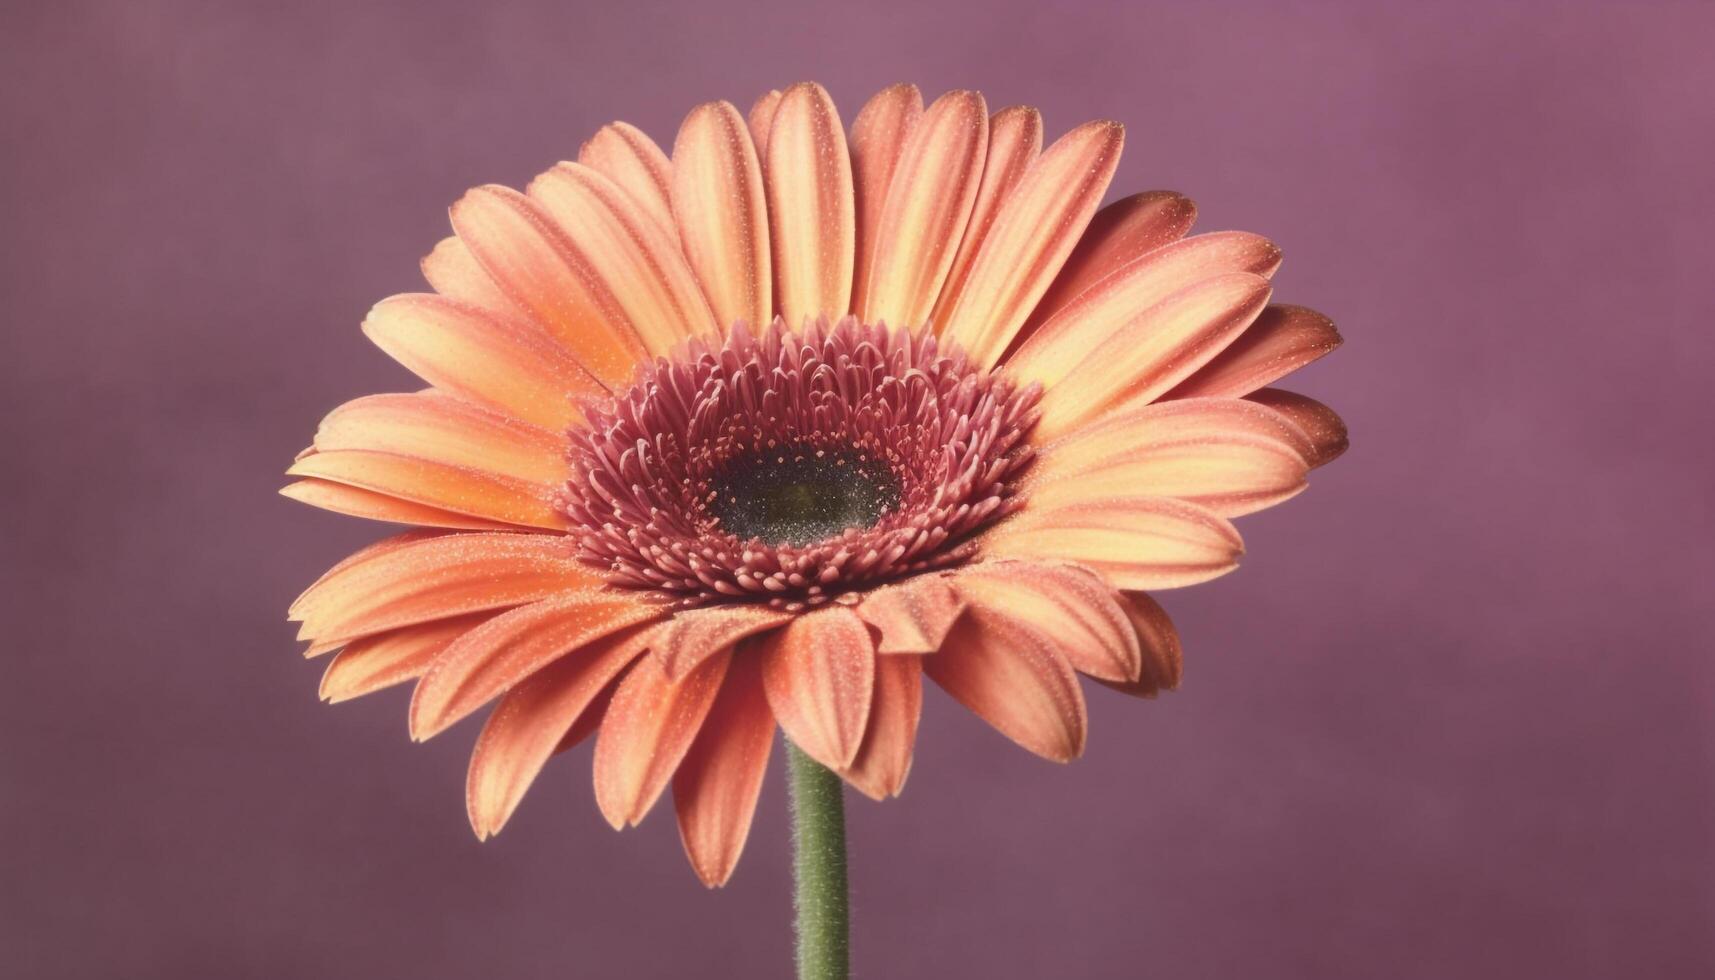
column 763, row 431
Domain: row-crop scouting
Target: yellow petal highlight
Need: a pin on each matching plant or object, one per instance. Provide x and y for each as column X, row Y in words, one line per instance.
column 1119, row 234
column 1031, row 238
column 630, row 256
column 626, row 155
column 1049, row 353
column 878, row 137
column 1135, row 542
column 1014, row 143
column 1071, row 604
column 1282, row 340
column 928, row 205
column 811, row 216
column 721, row 210
column 1157, row 349
column 528, row 256
column 507, row 363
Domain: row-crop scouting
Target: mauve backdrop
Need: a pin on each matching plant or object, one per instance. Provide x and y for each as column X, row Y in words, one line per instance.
column 1451, row 719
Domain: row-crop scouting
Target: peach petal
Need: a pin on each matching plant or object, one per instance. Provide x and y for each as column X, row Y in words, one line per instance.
column 819, row 673
column 630, row 256
column 884, row 760
column 913, row 615
column 761, row 122
column 648, row 728
column 1031, row 238
column 1208, row 451
column 927, row 208
column 1157, row 349
column 433, row 426
column 534, row 720
column 1282, row 340
column 878, row 137
column 721, row 211
column 627, row 156
column 1011, row 676
column 443, row 487
column 1134, row 542
column 717, row 784
column 1014, row 143
column 1163, row 660
column 454, row 272
column 527, row 255
column 358, row 502
column 694, row 635
column 1053, row 350
column 496, row 656
column 372, row 663
column 1120, row 233
column 810, row 209
column 415, row 579
column 1323, row 426
column 1073, row 605
column 507, row 363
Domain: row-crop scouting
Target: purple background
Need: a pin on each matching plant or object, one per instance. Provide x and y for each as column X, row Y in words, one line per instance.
column 1452, row 719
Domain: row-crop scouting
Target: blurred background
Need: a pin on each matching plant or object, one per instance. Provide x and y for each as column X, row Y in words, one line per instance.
column 1452, row 719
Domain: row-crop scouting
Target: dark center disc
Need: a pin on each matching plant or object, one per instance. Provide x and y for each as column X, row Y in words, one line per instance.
column 799, row 496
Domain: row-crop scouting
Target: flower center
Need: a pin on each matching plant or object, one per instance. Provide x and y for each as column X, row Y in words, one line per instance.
column 799, row 495
column 794, row 467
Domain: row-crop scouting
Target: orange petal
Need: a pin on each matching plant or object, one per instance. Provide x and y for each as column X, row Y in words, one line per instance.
column 884, row 759
column 376, row 662
column 878, row 136
column 1071, row 604
column 529, row 258
column 454, row 273
column 1031, row 238
column 357, row 502
column 722, row 214
column 1053, row 350
column 501, row 653
column 1157, row 349
column 649, row 726
column 1320, row 423
column 928, row 206
column 419, row 578
column 630, row 256
column 507, row 363
column 1282, row 340
column 1163, row 661
column 717, row 783
column 1014, row 142
column 441, row 487
column 1011, row 676
column 761, row 121
column 1119, row 233
column 811, row 216
column 694, row 635
column 914, row 615
column 819, row 672
column 1221, row 453
column 625, row 155
column 533, row 721
column 1135, row 542
column 439, row 428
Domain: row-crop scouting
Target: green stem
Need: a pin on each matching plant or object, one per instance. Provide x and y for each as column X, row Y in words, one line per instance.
column 819, row 865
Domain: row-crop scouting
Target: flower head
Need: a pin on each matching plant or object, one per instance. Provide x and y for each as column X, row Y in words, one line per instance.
column 764, row 432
